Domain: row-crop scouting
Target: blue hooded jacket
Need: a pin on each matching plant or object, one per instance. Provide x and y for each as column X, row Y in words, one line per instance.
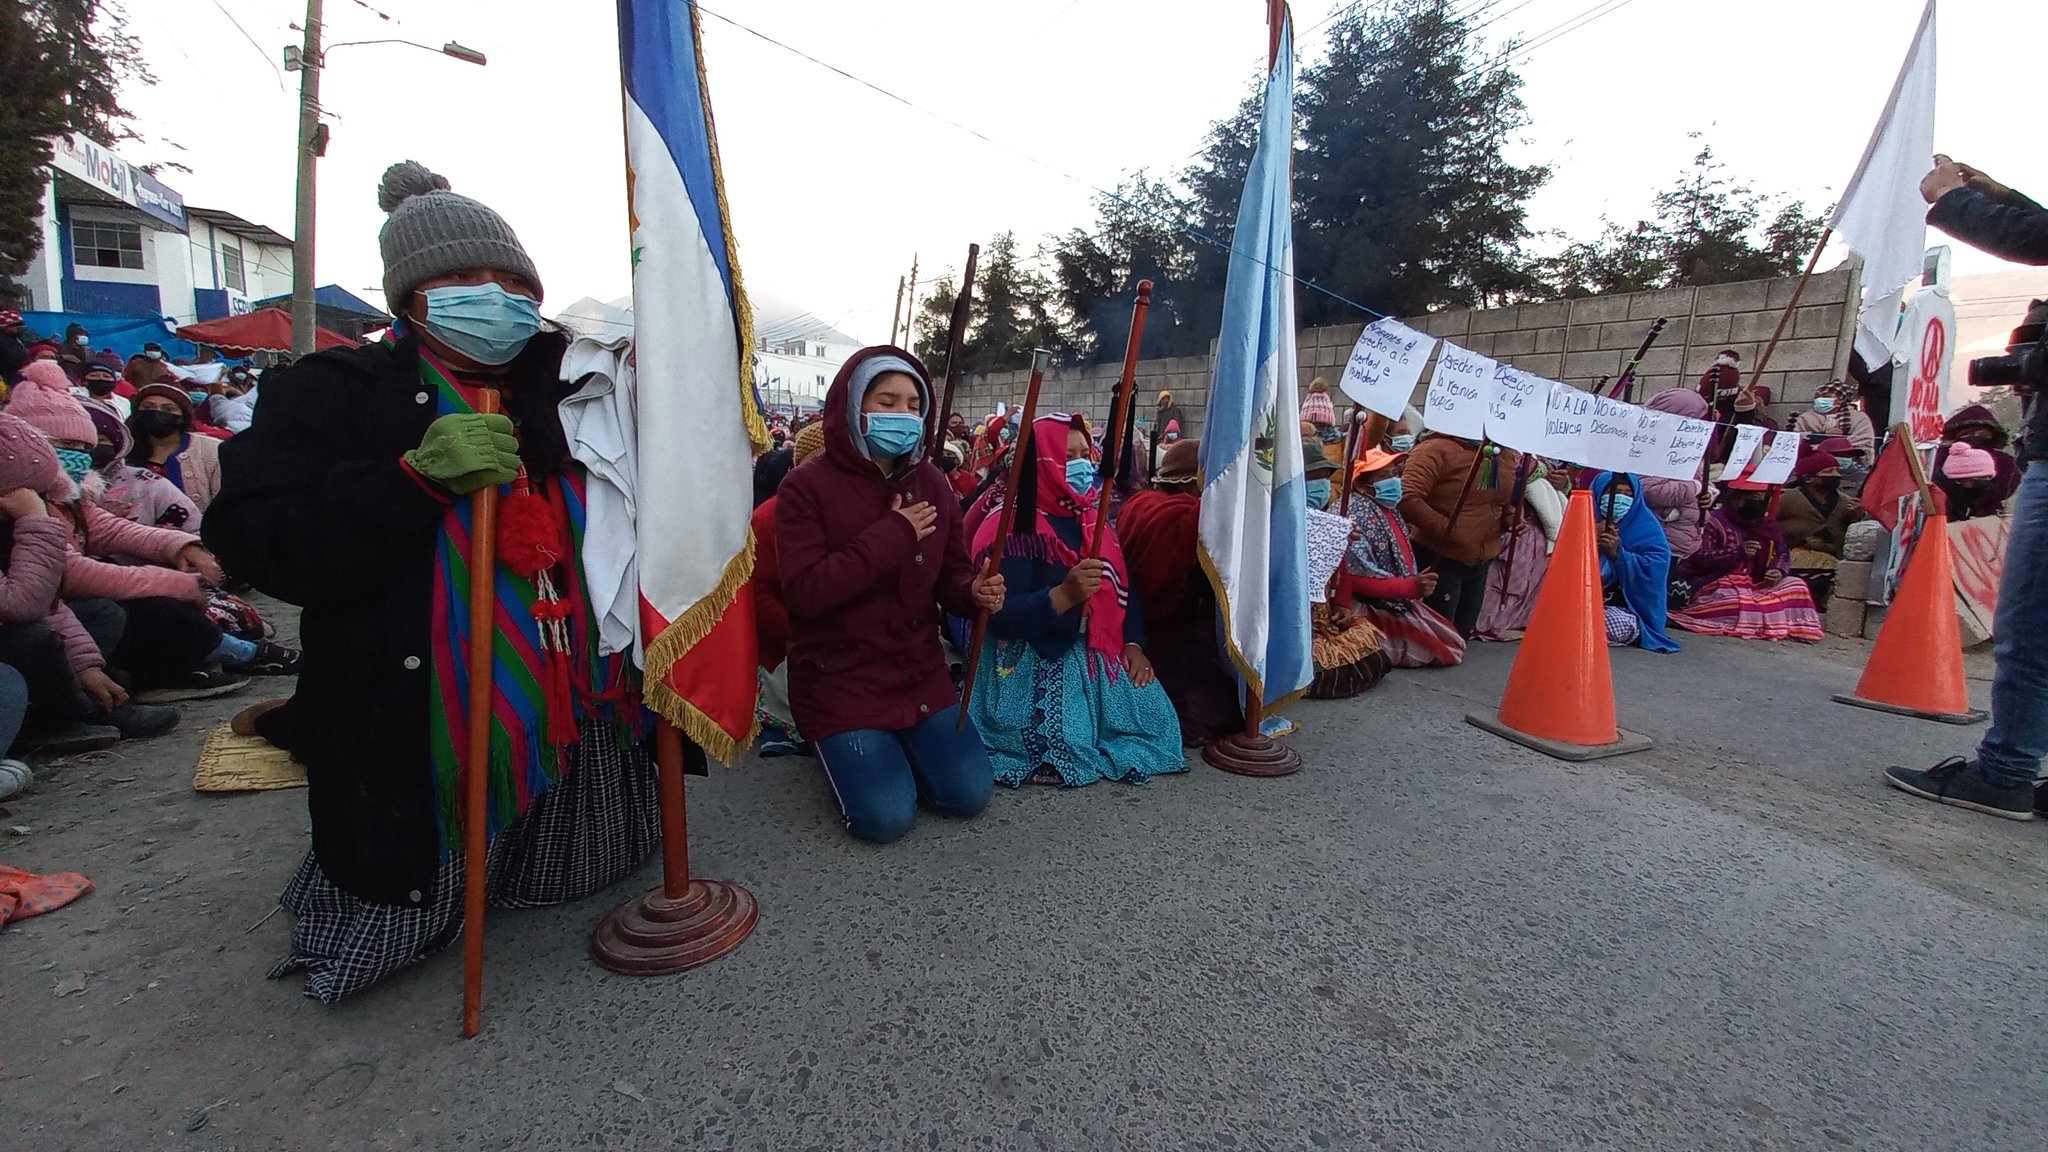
column 1644, row 566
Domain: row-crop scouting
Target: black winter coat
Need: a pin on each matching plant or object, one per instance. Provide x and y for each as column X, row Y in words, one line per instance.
column 316, row 509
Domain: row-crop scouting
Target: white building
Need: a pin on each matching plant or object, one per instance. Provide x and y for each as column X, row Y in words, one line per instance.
column 117, row 241
column 796, row 358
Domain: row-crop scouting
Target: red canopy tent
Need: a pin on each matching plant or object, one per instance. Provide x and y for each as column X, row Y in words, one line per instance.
column 264, row 330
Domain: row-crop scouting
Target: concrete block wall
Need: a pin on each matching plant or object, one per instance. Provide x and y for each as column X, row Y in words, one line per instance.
column 1576, row 341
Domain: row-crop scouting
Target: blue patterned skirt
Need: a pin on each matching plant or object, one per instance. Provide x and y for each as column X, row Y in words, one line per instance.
column 1072, row 720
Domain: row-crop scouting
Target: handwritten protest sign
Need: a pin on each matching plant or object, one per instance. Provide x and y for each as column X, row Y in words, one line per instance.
column 1518, row 410
column 1564, row 428
column 1742, row 459
column 1779, row 457
column 1610, row 434
column 1385, row 365
column 1458, row 393
column 1665, row 444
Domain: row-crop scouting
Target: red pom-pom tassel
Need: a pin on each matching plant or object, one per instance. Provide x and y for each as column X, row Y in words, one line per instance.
column 528, row 536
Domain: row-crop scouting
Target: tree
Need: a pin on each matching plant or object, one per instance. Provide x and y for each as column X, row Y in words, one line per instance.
column 1138, row 235
column 1704, row 232
column 65, row 63
column 1015, row 313
column 1405, row 199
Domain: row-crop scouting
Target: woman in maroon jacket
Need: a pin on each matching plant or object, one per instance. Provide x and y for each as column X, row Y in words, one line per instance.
column 869, row 542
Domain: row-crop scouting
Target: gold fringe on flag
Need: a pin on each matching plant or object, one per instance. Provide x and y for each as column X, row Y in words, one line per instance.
column 676, row 640
column 742, row 309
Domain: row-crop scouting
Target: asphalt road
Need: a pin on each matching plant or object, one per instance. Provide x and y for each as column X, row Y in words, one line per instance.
column 1428, row 939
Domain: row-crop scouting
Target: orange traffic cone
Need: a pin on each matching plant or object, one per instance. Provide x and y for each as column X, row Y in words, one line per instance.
column 1916, row 667
column 1560, row 697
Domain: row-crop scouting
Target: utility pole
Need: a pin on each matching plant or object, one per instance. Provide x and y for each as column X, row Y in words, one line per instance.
column 910, row 310
column 896, row 314
column 302, row 228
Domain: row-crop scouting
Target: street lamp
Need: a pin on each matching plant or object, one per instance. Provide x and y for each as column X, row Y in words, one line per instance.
column 308, row 59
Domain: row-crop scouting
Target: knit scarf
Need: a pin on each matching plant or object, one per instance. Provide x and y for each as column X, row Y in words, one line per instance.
column 529, row 738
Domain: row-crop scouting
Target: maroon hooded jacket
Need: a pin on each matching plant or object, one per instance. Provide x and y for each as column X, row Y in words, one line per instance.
column 864, row 593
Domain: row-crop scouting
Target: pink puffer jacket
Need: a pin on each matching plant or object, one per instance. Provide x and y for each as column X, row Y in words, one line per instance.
column 28, row 588
column 106, row 534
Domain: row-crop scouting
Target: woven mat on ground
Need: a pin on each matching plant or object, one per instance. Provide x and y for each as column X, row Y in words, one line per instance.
column 231, row 763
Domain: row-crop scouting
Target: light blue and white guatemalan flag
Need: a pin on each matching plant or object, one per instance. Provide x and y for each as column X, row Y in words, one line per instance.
column 699, row 420
column 1254, row 536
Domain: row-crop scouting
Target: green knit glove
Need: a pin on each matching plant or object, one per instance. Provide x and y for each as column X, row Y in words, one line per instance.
column 465, row 451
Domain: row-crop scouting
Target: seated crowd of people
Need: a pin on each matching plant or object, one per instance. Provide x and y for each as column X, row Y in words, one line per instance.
column 1106, row 633
column 110, row 607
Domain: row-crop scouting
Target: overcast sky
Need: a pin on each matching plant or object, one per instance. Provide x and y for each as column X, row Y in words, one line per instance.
column 834, row 187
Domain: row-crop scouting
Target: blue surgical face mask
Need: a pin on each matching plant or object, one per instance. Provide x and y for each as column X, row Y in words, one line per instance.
column 1403, row 442
column 481, row 321
column 1618, row 506
column 74, row 462
column 1824, row 405
column 1081, row 474
column 197, row 397
column 1319, row 493
column 1387, row 491
column 892, row 435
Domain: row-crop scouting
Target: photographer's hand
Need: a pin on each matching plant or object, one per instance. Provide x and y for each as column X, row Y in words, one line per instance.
column 1946, row 177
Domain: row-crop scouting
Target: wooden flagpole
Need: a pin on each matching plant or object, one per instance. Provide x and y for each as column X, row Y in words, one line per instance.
column 483, row 619
column 1005, row 520
column 1791, row 306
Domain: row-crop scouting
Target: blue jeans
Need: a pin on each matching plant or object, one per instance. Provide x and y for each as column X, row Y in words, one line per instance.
column 13, row 705
column 878, row 775
column 2011, row 752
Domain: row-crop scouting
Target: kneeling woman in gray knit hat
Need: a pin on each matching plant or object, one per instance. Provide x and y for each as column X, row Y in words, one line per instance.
column 345, row 497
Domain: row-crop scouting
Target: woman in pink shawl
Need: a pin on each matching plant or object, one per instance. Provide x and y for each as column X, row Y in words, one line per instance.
column 1676, row 503
column 1064, row 693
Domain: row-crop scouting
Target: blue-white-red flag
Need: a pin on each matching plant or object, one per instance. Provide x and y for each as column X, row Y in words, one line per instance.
column 699, row 419
column 1254, row 535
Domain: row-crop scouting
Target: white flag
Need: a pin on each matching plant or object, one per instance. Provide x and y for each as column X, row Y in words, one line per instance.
column 1881, row 214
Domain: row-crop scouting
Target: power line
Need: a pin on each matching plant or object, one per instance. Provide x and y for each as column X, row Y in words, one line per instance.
column 252, row 43
column 1177, row 225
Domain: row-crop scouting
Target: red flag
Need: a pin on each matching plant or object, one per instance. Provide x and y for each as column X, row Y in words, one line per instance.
column 1889, row 480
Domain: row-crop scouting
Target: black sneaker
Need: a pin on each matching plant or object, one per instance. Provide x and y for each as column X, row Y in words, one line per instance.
column 138, row 721
column 68, row 739
column 204, row 684
column 272, row 659
column 1956, row 781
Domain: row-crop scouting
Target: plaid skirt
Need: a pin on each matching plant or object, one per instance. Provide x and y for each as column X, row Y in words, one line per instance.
column 594, row 828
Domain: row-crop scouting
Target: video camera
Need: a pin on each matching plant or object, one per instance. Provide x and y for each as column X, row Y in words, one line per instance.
column 2023, row 372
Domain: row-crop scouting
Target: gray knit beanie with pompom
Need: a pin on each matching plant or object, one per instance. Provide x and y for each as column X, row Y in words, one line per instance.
column 432, row 231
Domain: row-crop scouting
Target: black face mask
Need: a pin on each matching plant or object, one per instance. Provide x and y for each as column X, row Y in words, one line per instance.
column 155, row 425
column 102, row 455
column 98, row 385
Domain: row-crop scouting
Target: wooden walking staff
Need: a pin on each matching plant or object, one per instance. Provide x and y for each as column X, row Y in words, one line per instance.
column 1119, row 417
column 956, row 336
column 476, row 781
column 1040, row 361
